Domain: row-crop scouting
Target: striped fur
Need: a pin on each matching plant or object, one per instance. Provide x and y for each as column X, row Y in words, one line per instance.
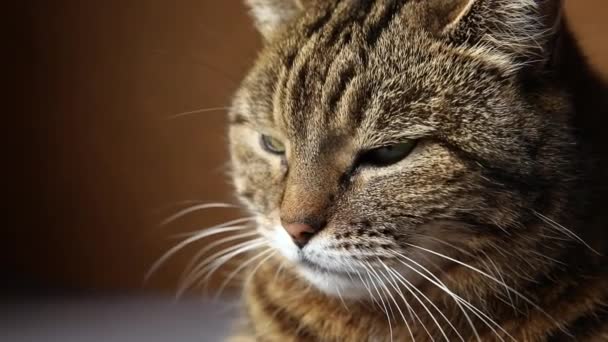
column 500, row 200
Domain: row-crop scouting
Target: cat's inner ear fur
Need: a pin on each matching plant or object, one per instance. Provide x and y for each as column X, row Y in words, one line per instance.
column 524, row 30
column 271, row 15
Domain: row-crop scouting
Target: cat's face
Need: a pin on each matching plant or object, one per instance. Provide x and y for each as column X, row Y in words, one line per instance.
column 375, row 133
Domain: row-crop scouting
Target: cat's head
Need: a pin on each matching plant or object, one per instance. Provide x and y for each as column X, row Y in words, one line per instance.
column 380, row 133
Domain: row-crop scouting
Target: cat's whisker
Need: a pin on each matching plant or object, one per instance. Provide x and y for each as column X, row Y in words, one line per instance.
column 367, row 287
column 409, row 307
column 485, row 274
column 350, row 275
column 409, row 286
column 388, row 318
column 397, row 306
column 188, row 278
column 502, row 279
column 171, row 206
column 241, row 223
column 266, row 254
column 479, row 271
column 212, row 267
column 400, row 279
column 437, row 282
column 383, row 286
column 257, row 267
column 277, row 273
column 476, row 311
column 369, row 284
column 559, row 237
column 506, row 254
column 212, row 245
column 551, row 259
column 496, row 269
column 198, row 271
column 217, row 229
column 364, row 283
column 195, row 208
column 197, row 111
column 337, row 287
column 565, row 231
column 409, row 289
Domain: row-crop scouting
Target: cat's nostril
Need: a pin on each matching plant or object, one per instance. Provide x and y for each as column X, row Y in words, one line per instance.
column 301, row 233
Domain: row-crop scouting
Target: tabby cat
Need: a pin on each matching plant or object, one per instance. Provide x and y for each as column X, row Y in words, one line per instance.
column 422, row 170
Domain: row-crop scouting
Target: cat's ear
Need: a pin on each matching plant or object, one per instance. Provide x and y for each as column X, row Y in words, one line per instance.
column 271, row 15
column 442, row 16
column 524, row 29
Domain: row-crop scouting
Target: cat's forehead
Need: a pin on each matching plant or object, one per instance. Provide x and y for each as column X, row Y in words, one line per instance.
column 343, row 90
column 343, row 81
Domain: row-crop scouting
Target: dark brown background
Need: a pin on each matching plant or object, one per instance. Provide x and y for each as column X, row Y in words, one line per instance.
column 97, row 164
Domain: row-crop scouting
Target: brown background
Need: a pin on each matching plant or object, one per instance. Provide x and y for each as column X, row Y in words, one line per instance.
column 97, row 164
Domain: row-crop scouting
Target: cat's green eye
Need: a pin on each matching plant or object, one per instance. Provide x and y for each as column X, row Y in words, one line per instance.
column 272, row 145
column 387, row 155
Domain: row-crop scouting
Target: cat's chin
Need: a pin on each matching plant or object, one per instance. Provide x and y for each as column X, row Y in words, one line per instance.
column 332, row 283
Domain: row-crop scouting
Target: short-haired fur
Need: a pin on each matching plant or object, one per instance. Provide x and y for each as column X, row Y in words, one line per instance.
column 492, row 229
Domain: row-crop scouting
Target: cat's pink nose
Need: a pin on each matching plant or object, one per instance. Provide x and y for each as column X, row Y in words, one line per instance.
column 301, row 233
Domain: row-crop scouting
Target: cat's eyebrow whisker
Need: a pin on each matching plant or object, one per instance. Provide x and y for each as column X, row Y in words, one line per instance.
column 409, row 286
column 197, row 111
column 485, row 274
column 194, row 208
column 564, row 230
